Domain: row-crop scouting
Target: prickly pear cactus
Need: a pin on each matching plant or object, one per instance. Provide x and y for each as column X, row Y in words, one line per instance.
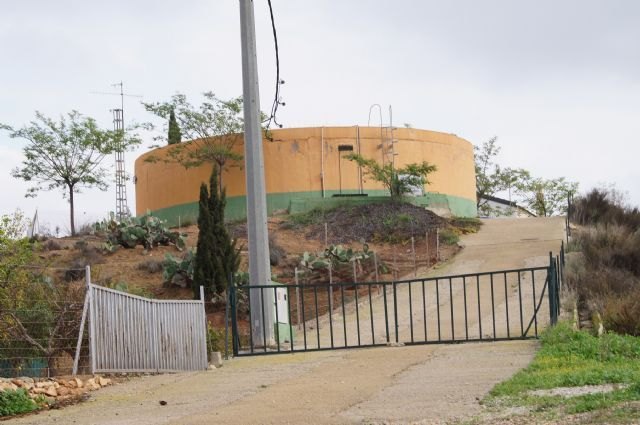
column 147, row 230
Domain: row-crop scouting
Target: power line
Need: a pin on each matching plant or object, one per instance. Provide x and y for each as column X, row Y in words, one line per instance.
column 276, row 100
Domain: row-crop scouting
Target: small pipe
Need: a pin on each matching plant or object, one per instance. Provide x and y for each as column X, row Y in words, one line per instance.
column 322, row 161
column 359, row 167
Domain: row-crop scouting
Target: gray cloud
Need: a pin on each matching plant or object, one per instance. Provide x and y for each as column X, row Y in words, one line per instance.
column 557, row 81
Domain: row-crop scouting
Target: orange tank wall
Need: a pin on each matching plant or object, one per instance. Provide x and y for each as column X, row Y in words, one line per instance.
column 294, row 161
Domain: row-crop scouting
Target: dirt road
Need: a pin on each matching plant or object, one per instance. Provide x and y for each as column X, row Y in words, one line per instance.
column 417, row 384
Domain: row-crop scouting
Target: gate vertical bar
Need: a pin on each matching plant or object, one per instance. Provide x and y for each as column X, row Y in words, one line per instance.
column 506, row 303
column 466, row 321
column 479, row 309
column 395, row 309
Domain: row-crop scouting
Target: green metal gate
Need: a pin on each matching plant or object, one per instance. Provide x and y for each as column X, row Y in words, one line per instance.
column 489, row 306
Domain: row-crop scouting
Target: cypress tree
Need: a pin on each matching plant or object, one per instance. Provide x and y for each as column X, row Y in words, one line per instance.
column 227, row 255
column 203, row 273
column 217, row 257
column 174, row 135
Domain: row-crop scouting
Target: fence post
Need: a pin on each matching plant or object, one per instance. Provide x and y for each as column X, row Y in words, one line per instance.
column 375, row 264
column 330, row 289
column 413, row 250
column 326, row 235
column 87, row 279
column 395, row 264
column 355, row 273
column 426, row 238
column 92, row 321
column 437, row 244
column 299, row 322
column 206, row 332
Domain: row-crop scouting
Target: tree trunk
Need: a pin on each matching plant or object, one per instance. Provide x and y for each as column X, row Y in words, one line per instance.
column 71, row 213
column 220, row 166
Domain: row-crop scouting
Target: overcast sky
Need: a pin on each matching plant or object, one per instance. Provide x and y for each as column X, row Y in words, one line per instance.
column 557, row 81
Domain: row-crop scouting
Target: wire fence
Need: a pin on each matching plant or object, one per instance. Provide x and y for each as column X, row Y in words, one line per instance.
column 41, row 341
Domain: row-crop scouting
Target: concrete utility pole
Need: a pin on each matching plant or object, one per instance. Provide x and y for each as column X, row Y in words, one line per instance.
column 262, row 300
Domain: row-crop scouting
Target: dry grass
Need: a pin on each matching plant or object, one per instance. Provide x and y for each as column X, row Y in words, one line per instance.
column 606, row 275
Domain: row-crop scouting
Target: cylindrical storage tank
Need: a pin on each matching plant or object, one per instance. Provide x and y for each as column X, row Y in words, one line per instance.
column 305, row 168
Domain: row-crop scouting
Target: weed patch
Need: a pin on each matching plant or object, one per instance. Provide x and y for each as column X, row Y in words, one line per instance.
column 15, row 402
column 570, row 358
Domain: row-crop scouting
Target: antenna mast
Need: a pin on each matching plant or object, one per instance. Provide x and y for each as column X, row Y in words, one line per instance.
column 122, row 208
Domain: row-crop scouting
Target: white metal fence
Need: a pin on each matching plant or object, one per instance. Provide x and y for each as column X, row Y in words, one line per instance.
column 135, row 334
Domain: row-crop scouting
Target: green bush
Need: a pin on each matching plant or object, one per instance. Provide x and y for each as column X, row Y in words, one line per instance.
column 449, row 237
column 215, row 340
column 14, row 402
column 315, row 216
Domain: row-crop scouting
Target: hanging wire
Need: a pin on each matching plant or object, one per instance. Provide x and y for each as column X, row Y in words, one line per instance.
column 276, row 100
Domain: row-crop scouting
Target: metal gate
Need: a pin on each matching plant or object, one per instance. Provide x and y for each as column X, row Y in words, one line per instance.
column 135, row 334
column 491, row 306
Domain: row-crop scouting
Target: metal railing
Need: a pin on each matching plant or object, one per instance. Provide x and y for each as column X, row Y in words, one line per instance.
column 489, row 306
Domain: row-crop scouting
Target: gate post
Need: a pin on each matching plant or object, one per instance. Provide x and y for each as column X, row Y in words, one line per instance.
column 553, row 289
column 234, row 319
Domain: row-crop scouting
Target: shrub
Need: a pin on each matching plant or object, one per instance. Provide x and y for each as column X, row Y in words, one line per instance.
column 215, row 340
column 612, row 245
column 51, row 245
column 315, row 216
column 604, row 206
column 466, row 224
column 449, row 237
column 621, row 312
column 151, row 266
column 15, row 402
column 606, row 276
column 276, row 252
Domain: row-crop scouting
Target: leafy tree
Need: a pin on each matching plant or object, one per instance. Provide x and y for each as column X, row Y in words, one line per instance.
column 174, row 136
column 491, row 179
column 16, row 252
column 398, row 181
column 66, row 155
column 546, row 197
column 217, row 258
column 214, row 128
column 38, row 318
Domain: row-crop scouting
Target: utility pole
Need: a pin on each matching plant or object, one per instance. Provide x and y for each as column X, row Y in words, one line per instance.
column 262, row 299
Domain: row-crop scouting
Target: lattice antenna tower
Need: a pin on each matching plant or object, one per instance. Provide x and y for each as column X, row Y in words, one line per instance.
column 122, row 207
